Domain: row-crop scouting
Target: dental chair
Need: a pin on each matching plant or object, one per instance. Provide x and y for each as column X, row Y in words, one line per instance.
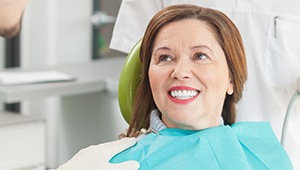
column 129, row 80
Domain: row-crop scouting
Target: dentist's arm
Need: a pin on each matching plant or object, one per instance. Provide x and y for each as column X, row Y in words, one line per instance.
column 97, row 157
column 11, row 12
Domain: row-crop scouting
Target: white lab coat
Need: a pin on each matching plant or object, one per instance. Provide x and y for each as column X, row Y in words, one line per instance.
column 271, row 34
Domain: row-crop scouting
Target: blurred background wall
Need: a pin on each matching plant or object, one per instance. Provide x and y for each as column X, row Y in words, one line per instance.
column 56, row 32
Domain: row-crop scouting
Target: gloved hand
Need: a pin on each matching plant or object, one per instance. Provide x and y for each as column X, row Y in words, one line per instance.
column 96, row 157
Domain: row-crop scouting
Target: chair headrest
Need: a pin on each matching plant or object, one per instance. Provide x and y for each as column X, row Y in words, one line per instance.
column 128, row 82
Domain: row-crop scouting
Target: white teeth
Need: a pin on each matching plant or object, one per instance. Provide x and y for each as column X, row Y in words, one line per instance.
column 183, row 94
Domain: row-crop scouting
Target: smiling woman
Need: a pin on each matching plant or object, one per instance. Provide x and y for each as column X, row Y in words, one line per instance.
column 193, row 74
column 191, row 45
column 189, row 61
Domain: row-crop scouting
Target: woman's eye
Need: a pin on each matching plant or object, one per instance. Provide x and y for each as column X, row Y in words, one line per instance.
column 165, row 57
column 200, row 56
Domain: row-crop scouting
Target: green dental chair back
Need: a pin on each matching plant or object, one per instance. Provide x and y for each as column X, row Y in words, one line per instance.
column 128, row 82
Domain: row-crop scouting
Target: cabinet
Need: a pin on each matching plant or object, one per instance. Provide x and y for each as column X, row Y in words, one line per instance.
column 22, row 142
column 91, row 78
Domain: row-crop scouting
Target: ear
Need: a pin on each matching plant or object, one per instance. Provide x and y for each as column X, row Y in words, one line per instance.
column 230, row 90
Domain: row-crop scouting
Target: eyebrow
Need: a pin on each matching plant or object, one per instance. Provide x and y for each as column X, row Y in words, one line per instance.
column 204, row 46
column 193, row 47
column 162, row 48
column 201, row 46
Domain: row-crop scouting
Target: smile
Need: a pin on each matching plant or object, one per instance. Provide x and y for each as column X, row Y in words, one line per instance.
column 184, row 94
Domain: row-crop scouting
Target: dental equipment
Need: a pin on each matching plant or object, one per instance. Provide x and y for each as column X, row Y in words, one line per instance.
column 288, row 112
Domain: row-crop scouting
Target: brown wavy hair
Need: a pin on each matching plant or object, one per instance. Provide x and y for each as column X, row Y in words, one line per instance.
column 227, row 36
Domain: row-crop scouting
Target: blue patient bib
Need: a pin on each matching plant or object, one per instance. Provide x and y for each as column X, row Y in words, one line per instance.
column 242, row 145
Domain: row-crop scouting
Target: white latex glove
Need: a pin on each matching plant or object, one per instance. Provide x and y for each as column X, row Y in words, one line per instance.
column 96, row 157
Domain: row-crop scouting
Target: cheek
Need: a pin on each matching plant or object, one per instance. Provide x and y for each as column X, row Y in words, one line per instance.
column 154, row 77
column 158, row 78
column 155, row 85
column 218, row 81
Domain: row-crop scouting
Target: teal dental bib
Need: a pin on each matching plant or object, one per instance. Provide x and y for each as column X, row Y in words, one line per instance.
column 242, row 145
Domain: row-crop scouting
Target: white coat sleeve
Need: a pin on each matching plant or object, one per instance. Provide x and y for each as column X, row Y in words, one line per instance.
column 132, row 19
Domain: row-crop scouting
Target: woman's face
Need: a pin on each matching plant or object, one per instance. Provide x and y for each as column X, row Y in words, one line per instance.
column 188, row 75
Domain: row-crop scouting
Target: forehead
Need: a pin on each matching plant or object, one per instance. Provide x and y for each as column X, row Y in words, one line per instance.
column 187, row 32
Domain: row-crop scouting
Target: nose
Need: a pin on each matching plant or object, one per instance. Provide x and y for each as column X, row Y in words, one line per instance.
column 182, row 71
